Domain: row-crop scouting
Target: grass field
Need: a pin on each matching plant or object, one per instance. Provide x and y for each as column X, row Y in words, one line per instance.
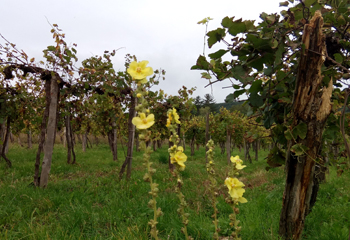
column 86, row 200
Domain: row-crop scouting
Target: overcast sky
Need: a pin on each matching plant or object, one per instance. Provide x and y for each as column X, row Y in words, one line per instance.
column 163, row 32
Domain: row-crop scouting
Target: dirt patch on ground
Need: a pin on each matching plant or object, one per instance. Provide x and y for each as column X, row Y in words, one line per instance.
column 255, row 180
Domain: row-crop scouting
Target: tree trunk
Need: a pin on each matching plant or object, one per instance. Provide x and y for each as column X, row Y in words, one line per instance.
column 128, row 160
column 64, row 138
column 114, row 142
column 29, row 137
column 19, row 140
column 4, row 147
column 79, row 139
column 83, row 142
column 112, row 139
column 69, row 139
column 206, row 135
column 183, row 141
column 42, row 133
column 319, row 177
column 72, row 141
column 311, row 107
column 192, row 146
column 2, row 134
column 256, row 149
column 228, row 145
column 246, row 151
column 51, row 130
column 11, row 137
column 88, row 141
column 222, row 146
column 96, row 140
column 5, row 143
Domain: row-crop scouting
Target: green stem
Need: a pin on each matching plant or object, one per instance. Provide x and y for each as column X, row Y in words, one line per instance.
column 216, row 237
column 182, row 204
column 235, row 223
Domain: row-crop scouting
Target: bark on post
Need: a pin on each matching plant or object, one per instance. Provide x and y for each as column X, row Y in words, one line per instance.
column 51, row 130
column 42, row 133
column 311, row 106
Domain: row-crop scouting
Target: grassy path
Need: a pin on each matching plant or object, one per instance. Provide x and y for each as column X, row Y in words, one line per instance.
column 86, row 201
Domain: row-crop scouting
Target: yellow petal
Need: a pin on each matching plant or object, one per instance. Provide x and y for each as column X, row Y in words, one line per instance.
column 236, row 192
column 143, row 64
column 242, row 200
column 148, row 71
column 237, row 183
column 136, row 121
column 150, row 117
column 239, row 166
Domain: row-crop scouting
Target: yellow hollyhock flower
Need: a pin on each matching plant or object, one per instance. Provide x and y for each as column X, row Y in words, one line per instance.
column 235, row 189
column 179, row 157
column 139, row 71
column 176, row 116
column 169, row 120
column 238, row 162
column 143, row 122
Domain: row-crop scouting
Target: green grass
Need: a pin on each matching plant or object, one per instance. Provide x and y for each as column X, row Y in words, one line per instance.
column 86, row 200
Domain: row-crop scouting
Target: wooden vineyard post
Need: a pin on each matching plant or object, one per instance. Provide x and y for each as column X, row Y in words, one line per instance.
column 311, row 108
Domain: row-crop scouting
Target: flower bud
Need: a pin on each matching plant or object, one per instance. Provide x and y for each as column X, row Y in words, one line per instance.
column 146, row 178
column 151, row 203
